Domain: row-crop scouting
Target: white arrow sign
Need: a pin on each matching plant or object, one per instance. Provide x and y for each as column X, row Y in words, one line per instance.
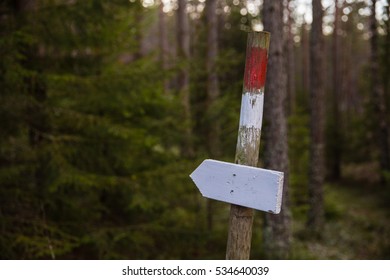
column 247, row 186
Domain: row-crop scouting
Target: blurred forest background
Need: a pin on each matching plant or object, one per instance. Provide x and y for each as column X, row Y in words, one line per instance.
column 106, row 107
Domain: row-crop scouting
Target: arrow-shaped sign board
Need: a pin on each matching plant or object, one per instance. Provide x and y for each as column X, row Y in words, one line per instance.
column 247, row 186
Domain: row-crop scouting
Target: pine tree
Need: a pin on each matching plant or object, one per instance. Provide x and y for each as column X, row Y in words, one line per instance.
column 183, row 46
column 277, row 231
column 378, row 98
column 83, row 128
column 317, row 111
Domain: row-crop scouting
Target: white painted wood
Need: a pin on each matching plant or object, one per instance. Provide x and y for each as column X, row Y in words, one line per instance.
column 251, row 114
column 247, row 186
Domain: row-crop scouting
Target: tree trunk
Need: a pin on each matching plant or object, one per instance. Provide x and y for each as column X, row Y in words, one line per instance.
column 38, row 123
column 21, row 6
column 317, row 114
column 336, row 144
column 277, row 232
column 212, row 77
column 378, row 98
column 138, row 30
column 163, row 43
column 387, row 57
column 290, row 61
column 183, row 52
column 214, row 129
column 35, row 87
column 305, row 60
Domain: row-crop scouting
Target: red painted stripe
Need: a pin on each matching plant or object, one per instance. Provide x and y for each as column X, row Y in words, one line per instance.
column 255, row 68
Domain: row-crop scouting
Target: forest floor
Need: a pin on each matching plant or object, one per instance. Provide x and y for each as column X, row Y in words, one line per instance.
column 357, row 224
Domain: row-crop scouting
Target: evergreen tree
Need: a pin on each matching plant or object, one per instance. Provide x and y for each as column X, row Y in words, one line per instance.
column 277, row 231
column 317, row 122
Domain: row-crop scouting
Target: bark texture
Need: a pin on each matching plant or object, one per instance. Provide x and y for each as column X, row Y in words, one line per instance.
column 214, row 129
column 378, row 98
column 277, row 232
column 248, row 143
column 183, row 51
column 336, row 99
column 290, row 60
column 212, row 77
column 163, row 43
column 240, row 233
column 305, row 60
column 317, row 114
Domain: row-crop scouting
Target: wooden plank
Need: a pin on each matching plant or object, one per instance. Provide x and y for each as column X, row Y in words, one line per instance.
column 247, row 186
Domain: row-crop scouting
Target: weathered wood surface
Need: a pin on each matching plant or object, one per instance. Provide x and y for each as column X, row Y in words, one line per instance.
column 248, row 142
column 247, row 186
column 242, row 184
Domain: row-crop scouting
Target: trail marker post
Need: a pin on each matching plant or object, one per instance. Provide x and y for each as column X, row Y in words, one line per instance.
column 242, row 184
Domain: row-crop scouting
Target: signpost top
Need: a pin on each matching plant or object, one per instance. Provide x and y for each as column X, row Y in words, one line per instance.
column 256, row 61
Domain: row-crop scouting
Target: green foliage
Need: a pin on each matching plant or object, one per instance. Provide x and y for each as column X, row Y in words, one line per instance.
column 86, row 142
column 90, row 143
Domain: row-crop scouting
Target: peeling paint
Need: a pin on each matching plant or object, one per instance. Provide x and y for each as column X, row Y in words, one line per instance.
column 279, row 194
column 255, row 68
column 251, row 114
column 248, row 144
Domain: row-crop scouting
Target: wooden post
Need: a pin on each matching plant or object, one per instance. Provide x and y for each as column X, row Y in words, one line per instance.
column 248, row 143
column 242, row 184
